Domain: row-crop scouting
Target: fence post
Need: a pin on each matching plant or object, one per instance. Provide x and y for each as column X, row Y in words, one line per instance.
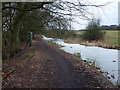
column 30, row 38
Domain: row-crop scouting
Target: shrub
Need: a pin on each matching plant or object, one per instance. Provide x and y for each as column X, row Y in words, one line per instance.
column 93, row 31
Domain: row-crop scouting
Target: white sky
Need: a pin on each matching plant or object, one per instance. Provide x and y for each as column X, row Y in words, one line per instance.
column 108, row 16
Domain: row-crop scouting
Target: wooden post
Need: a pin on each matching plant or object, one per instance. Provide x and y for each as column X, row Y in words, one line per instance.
column 30, row 38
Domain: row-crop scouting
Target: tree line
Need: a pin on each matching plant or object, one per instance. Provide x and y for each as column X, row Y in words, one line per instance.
column 19, row 18
column 110, row 27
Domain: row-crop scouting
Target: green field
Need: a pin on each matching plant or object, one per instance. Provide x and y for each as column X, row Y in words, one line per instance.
column 111, row 37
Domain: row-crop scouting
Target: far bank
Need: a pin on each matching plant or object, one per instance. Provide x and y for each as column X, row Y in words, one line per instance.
column 111, row 39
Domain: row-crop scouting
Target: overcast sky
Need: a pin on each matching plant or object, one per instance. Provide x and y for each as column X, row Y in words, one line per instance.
column 108, row 16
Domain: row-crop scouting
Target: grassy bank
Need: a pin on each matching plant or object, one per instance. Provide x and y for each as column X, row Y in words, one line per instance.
column 111, row 37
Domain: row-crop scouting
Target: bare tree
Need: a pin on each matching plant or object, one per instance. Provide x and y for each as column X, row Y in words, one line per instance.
column 17, row 15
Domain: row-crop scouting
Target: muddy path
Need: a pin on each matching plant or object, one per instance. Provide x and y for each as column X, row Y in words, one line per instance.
column 44, row 66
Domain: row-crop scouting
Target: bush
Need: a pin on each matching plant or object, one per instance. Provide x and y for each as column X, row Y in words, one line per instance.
column 93, row 31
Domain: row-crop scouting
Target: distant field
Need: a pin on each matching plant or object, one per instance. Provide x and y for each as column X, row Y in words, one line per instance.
column 111, row 37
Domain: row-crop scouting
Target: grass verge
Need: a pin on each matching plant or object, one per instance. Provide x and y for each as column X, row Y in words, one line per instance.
column 55, row 44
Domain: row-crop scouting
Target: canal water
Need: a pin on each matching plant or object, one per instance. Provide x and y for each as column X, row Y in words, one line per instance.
column 105, row 59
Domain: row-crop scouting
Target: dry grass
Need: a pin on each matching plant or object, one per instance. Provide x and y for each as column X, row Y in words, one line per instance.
column 111, row 37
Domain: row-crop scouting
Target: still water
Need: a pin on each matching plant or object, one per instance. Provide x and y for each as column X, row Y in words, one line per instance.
column 106, row 59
